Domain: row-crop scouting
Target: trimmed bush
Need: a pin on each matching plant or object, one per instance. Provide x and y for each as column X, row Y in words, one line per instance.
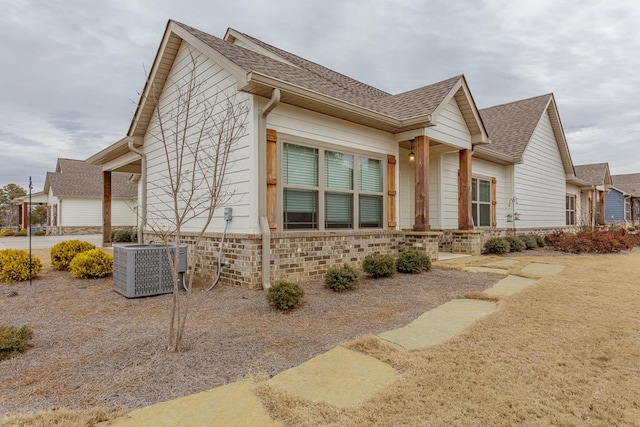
column 341, row 279
column 377, row 265
column 63, row 252
column 497, row 245
column 21, row 233
column 91, row 264
column 413, row 262
column 6, row 232
column 14, row 265
column 595, row 241
column 40, row 233
column 539, row 240
column 14, row 340
column 285, row 295
column 515, row 244
column 529, row 241
column 124, row 236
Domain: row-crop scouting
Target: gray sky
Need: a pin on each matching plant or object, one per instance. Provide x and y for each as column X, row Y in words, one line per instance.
column 71, row 70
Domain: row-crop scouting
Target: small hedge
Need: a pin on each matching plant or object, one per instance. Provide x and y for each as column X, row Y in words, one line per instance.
column 6, row 232
column 593, row 241
column 341, row 279
column 497, row 245
column 124, row 236
column 515, row 244
column 21, row 233
column 285, row 295
column 529, row 241
column 14, row 265
column 63, row 252
column 413, row 262
column 377, row 265
column 539, row 240
column 91, row 264
column 14, row 340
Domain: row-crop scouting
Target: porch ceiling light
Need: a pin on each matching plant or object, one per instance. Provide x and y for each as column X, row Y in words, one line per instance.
column 412, row 157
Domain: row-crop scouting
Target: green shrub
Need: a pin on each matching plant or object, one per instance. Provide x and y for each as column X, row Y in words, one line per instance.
column 539, row 240
column 91, row 264
column 341, row 278
column 124, row 236
column 497, row 245
column 377, row 265
column 14, row 265
column 515, row 244
column 7, row 232
column 631, row 228
column 412, row 262
column 529, row 241
column 21, row 233
column 285, row 295
column 40, row 233
column 63, row 252
column 13, row 340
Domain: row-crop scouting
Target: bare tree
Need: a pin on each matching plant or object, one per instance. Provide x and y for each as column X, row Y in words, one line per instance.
column 197, row 132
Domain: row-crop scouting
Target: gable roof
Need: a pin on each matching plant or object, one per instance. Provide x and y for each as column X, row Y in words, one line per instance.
column 594, row 174
column 77, row 178
column 629, row 183
column 512, row 125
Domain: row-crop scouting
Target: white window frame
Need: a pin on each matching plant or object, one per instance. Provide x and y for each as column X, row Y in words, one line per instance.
column 568, row 210
column 475, row 205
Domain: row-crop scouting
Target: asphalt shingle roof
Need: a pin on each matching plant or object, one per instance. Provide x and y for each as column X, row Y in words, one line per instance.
column 510, row 126
column 593, row 174
column 77, row 178
column 314, row 77
column 629, row 183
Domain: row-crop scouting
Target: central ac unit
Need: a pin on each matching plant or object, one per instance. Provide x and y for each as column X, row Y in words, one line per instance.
column 144, row 270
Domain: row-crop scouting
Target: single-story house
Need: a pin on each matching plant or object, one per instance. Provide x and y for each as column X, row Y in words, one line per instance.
column 629, row 185
column 330, row 169
column 39, row 198
column 593, row 206
column 74, row 198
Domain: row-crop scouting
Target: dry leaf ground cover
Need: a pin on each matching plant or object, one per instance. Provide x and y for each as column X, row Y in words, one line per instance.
column 565, row 351
column 94, row 348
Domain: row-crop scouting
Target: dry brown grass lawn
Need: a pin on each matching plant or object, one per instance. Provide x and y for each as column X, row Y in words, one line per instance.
column 566, row 351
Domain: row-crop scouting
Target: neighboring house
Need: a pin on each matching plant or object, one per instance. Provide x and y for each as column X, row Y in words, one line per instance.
column 629, row 184
column 593, row 206
column 39, row 198
column 615, row 200
column 74, row 199
column 331, row 169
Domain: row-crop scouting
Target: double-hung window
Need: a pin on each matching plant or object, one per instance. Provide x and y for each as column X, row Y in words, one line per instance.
column 481, row 202
column 327, row 189
column 570, row 205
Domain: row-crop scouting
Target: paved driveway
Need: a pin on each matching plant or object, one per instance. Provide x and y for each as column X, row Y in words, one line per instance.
column 43, row 242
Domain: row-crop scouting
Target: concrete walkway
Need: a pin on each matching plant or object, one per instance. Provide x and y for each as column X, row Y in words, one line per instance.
column 341, row 377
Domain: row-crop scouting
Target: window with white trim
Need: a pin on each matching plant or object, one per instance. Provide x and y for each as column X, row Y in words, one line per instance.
column 570, row 205
column 326, row 189
column 481, row 202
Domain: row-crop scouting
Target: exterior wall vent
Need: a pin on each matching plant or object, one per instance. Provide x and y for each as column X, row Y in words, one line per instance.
column 143, row 270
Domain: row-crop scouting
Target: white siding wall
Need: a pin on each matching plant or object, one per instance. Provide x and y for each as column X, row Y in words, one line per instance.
column 295, row 122
column 451, row 127
column 86, row 212
column 540, row 182
column 448, row 202
column 217, row 83
column 123, row 213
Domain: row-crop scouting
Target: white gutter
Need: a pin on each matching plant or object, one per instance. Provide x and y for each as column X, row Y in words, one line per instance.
column 143, row 183
column 262, row 182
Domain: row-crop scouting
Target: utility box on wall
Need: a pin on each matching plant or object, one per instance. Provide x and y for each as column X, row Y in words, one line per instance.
column 143, row 270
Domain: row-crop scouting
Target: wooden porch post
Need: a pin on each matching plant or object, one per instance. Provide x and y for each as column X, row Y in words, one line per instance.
column 465, row 219
column 106, row 208
column 272, row 177
column 602, row 219
column 421, row 222
column 25, row 215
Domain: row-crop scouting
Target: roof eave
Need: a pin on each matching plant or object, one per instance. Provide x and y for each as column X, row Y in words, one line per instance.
column 484, row 153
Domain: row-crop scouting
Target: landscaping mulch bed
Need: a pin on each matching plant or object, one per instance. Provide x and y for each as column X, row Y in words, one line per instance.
column 93, row 347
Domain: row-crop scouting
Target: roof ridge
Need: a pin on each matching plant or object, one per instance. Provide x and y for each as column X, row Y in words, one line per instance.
column 550, row 94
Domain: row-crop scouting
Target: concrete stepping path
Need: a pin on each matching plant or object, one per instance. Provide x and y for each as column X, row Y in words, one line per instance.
column 230, row 405
column 509, row 285
column 439, row 324
column 540, row 269
column 486, row 270
column 341, row 377
column 503, row 263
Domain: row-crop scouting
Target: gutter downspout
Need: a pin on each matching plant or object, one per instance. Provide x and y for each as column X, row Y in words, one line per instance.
column 262, row 182
column 143, row 183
